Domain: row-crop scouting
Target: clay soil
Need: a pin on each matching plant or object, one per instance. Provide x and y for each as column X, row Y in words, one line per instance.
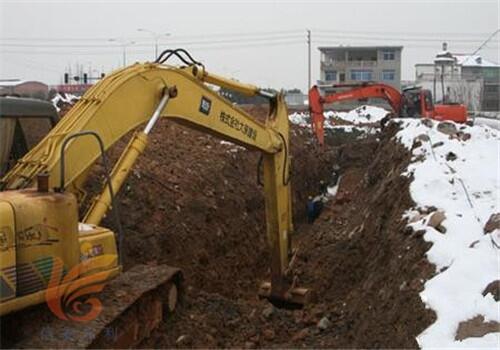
column 194, row 203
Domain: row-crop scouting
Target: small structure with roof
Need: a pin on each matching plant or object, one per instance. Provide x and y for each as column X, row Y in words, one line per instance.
column 23, row 88
column 463, row 78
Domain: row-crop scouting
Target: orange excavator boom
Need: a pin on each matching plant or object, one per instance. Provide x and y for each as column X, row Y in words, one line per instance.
column 356, row 92
column 415, row 102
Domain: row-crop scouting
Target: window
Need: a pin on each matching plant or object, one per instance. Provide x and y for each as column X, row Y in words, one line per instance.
column 331, row 75
column 388, row 55
column 388, row 74
column 361, row 74
column 491, row 88
column 491, row 105
column 428, row 100
column 491, row 73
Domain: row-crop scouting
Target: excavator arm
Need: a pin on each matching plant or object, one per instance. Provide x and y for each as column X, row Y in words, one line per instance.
column 127, row 98
column 356, row 92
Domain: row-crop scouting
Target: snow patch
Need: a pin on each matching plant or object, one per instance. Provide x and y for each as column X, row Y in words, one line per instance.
column 300, row 119
column 361, row 115
column 466, row 189
column 62, row 98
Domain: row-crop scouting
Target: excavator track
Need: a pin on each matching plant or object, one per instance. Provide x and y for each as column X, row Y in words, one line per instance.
column 134, row 304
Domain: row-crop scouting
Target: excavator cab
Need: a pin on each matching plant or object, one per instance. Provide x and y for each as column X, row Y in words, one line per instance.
column 417, row 103
column 426, row 105
column 23, row 123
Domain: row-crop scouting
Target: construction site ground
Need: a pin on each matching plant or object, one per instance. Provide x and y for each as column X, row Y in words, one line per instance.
column 365, row 272
column 194, row 202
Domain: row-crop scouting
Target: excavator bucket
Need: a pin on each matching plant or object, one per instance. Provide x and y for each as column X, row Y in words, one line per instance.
column 291, row 298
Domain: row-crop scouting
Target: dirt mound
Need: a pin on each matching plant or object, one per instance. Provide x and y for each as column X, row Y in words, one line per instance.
column 194, row 202
column 366, row 269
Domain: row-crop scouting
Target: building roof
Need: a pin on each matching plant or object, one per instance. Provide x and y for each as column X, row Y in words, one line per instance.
column 325, row 48
column 17, row 82
column 27, row 107
column 463, row 60
column 474, row 61
column 11, row 82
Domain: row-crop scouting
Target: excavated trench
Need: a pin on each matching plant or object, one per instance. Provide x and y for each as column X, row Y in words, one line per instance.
column 194, row 203
column 204, row 212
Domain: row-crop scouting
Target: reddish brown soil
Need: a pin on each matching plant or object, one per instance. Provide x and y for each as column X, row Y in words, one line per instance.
column 194, row 203
column 204, row 213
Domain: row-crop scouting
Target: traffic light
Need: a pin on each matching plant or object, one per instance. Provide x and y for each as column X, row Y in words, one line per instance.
column 66, row 78
column 85, row 78
column 76, row 78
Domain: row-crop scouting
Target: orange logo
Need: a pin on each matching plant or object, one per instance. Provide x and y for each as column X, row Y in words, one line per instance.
column 68, row 297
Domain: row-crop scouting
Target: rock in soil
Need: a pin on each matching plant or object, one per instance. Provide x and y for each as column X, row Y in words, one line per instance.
column 447, row 128
column 494, row 289
column 324, row 323
column 493, row 223
column 476, row 327
column 268, row 311
column 436, row 219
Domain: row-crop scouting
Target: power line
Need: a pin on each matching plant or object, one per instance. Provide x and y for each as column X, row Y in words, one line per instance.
column 171, row 42
column 189, row 36
column 117, row 50
column 486, row 41
column 423, row 35
column 323, row 38
column 379, row 38
column 433, row 34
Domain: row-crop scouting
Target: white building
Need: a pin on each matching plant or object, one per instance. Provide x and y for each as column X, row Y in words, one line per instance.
column 468, row 79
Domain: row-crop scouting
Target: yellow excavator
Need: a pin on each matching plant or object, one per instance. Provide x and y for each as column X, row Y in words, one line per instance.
column 49, row 254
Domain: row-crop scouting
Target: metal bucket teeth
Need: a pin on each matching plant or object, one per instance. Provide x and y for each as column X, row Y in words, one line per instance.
column 293, row 298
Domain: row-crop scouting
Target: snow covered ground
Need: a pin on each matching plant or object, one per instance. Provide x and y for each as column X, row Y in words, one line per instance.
column 64, row 98
column 359, row 119
column 456, row 172
column 491, row 122
column 361, row 115
column 460, row 177
column 300, row 119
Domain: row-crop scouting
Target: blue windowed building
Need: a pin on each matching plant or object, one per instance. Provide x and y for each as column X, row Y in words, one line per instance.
column 353, row 64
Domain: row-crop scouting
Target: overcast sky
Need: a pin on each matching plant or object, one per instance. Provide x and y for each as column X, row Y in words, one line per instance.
column 260, row 42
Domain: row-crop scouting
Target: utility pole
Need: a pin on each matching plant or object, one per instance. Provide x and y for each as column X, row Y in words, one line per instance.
column 308, row 59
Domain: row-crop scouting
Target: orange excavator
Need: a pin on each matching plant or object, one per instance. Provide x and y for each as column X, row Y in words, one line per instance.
column 411, row 103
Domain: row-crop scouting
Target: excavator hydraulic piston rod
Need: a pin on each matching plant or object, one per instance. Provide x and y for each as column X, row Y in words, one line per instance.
column 124, row 165
column 246, row 89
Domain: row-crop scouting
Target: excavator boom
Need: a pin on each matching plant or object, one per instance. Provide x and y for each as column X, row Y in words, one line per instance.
column 354, row 92
column 142, row 94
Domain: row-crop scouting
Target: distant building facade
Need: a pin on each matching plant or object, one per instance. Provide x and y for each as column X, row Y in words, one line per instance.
column 467, row 79
column 356, row 64
column 295, row 98
column 75, row 89
column 16, row 87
